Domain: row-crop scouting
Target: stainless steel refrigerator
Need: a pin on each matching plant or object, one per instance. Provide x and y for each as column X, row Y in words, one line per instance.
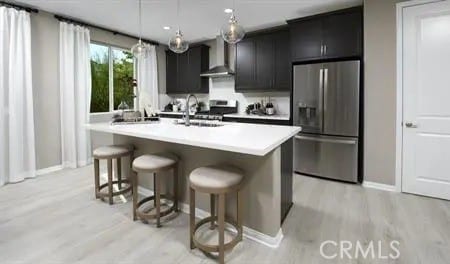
column 326, row 106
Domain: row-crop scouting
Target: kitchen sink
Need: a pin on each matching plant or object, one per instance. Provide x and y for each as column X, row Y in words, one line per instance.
column 200, row 123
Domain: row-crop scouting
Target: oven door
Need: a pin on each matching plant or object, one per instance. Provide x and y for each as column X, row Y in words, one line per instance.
column 326, row 156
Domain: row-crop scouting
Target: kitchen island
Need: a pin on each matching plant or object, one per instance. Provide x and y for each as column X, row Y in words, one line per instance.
column 264, row 152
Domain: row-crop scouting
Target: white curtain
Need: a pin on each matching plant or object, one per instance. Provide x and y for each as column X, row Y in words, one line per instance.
column 75, row 92
column 147, row 80
column 17, row 150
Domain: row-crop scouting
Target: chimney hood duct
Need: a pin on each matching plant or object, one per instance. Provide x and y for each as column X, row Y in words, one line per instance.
column 222, row 69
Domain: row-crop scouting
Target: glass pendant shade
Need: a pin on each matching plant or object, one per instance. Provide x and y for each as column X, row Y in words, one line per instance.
column 139, row 50
column 177, row 44
column 232, row 32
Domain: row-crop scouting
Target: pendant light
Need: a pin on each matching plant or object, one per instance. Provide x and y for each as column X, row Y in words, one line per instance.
column 232, row 32
column 139, row 50
column 177, row 43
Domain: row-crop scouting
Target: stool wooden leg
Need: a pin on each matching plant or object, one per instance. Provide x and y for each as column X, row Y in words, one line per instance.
column 158, row 201
column 134, row 182
column 212, row 204
column 175, row 188
column 221, row 221
column 96, row 177
column 191, row 216
column 154, row 189
column 240, row 211
column 110, row 189
column 119, row 173
column 130, row 170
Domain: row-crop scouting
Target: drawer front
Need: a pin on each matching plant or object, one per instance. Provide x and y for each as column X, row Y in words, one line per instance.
column 328, row 157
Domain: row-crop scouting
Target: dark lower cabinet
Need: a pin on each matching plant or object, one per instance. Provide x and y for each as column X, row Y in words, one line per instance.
column 257, row 121
column 183, row 71
column 287, row 184
column 337, row 34
column 263, row 62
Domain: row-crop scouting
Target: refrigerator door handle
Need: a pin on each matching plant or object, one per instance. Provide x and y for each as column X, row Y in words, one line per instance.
column 320, row 110
column 325, row 90
column 328, row 140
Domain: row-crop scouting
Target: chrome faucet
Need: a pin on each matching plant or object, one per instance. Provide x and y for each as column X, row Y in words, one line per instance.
column 186, row 119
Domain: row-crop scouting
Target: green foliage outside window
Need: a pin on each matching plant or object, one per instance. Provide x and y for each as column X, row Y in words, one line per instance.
column 122, row 77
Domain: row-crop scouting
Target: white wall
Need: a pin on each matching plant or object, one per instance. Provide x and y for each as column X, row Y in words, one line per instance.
column 380, row 90
column 45, row 68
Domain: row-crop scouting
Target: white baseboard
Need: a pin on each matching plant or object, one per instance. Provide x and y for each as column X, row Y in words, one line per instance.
column 379, row 186
column 249, row 233
column 49, row 170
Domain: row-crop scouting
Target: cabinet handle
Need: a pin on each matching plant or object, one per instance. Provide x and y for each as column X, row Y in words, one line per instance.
column 325, row 49
column 321, row 49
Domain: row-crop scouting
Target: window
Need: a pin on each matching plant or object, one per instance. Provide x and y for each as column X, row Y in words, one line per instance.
column 112, row 78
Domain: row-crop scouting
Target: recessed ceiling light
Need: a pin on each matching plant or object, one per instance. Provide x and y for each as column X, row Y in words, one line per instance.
column 228, row 10
column 166, row 28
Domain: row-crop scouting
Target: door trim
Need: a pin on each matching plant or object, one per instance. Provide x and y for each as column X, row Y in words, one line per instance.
column 399, row 93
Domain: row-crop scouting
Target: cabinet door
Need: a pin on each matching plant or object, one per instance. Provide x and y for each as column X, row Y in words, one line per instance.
column 171, row 73
column 245, row 77
column 184, row 81
column 306, row 39
column 264, row 62
column 343, row 34
column 194, row 84
column 282, row 71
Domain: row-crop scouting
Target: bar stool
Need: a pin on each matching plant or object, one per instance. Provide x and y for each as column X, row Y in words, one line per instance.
column 218, row 180
column 109, row 153
column 155, row 164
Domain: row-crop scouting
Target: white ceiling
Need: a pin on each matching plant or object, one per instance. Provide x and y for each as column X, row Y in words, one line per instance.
column 199, row 19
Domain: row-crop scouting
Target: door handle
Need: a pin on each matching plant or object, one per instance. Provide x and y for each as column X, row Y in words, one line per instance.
column 327, row 140
column 410, row 125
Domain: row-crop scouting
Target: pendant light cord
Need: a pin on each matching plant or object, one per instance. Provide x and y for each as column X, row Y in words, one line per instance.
column 140, row 20
column 178, row 14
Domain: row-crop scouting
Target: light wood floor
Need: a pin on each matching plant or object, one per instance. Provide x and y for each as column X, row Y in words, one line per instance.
column 55, row 219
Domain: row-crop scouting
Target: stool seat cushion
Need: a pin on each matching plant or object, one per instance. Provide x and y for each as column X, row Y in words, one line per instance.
column 150, row 162
column 112, row 151
column 216, row 177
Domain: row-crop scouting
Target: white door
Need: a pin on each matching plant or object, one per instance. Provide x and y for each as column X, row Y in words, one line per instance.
column 426, row 99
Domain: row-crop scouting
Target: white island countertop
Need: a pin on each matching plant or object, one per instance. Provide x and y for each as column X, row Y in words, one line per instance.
column 253, row 139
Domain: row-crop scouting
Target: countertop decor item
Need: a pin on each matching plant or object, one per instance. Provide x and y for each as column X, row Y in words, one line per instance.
column 270, row 110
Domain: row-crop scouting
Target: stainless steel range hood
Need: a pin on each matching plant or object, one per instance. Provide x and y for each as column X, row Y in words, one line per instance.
column 222, row 69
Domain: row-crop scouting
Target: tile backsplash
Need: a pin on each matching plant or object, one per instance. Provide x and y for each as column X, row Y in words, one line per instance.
column 223, row 89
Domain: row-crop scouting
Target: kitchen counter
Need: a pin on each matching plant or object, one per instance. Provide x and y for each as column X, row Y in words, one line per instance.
column 263, row 152
column 254, row 139
column 270, row 117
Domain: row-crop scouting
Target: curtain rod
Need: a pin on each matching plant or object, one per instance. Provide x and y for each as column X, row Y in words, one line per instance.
column 81, row 23
column 19, row 7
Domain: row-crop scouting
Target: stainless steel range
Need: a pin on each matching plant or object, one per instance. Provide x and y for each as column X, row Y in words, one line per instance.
column 218, row 108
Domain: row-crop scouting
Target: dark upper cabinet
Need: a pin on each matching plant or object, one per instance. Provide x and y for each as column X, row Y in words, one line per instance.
column 263, row 62
column 171, row 71
column 343, row 34
column 245, row 70
column 282, row 75
column 306, row 39
column 183, row 71
column 326, row 36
